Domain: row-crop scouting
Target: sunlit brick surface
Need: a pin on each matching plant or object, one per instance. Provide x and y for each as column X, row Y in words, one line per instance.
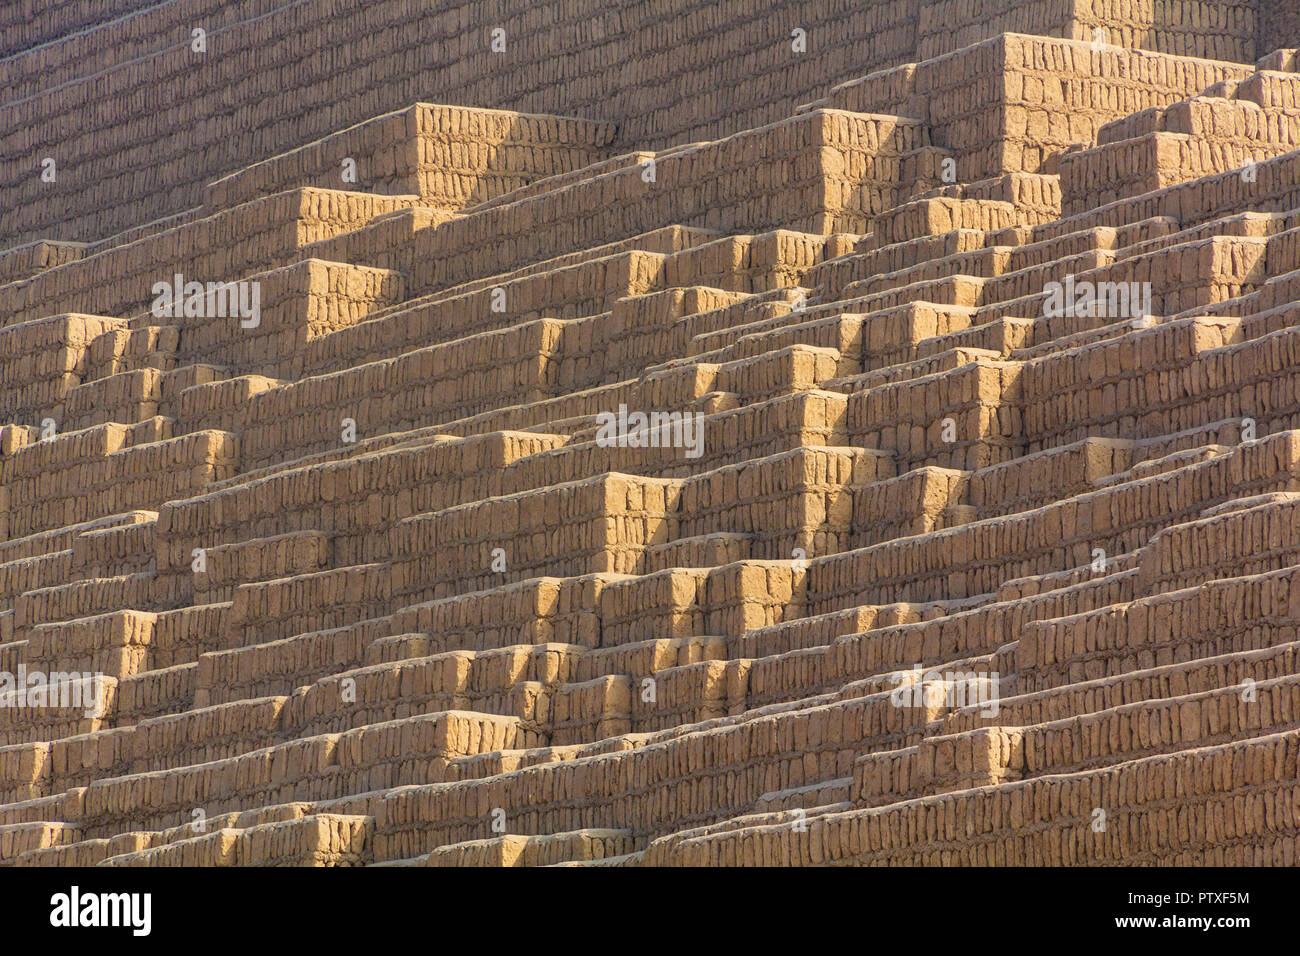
column 723, row 434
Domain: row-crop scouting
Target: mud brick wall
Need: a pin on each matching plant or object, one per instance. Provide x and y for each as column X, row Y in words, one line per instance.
column 314, row 840
column 669, row 603
column 981, row 400
column 746, row 46
column 559, row 848
column 1038, row 196
column 1273, row 407
column 26, row 769
column 28, row 24
column 1200, row 201
column 913, row 503
column 181, row 635
column 948, row 25
column 541, row 610
column 810, row 417
column 809, row 487
column 277, row 668
column 24, row 726
column 640, row 325
column 1137, row 798
column 218, row 404
column 19, row 839
column 156, row 693
column 1210, row 718
column 1166, row 681
column 1137, row 371
column 1208, row 29
column 93, row 473
column 23, row 261
column 27, row 575
column 593, row 526
column 718, row 56
column 221, row 248
column 299, row 303
column 260, row 559
column 67, row 602
column 357, row 501
column 1117, row 519
column 1021, row 485
column 465, row 378
column 115, row 644
column 476, row 604
column 1279, row 26
column 1094, row 86
column 45, row 360
column 450, row 157
column 1186, row 141
column 1009, row 103
column 819, row 172
column 581, row 289
column 364, row 759
column 811, row 744
column 125, row 349
column 1179, row 625
column 1253, row 539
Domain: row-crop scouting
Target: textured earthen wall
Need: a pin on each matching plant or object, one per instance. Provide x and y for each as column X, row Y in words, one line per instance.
column 1279, row 25
column 272, row 79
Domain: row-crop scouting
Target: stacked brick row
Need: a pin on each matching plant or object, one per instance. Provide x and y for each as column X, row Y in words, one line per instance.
column 912, row 568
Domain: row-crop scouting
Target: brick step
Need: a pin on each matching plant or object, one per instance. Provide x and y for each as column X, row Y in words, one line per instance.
column 1000, row 753
column 961, row 561
column 576, row 286
column 709, row 550
column 748, row 756
column 590, row 845
column 1049, row 654
column 841, row 334
column 1251, row 225
column 21, row 838
column 813, row 796
column 891, row 706
column 1196, row 781
column 249, row 590
column 109, row 469
column 449, row 156
column 1184, row 141
column 334, row 765
column 1129, row 488
column 447, row 381
column 267, row 321
column 268, row 233
column 46, row 359
column 711, row 332
column 24, row 261
column 94, row 852
column 727, row 171
column 866, row 259
column 465, row 377
column 1194, row 675
column 929, row 217
column 724, row 433
column 314, row 840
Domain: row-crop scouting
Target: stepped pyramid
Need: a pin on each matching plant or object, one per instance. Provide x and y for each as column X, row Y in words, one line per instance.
column 707, row 433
